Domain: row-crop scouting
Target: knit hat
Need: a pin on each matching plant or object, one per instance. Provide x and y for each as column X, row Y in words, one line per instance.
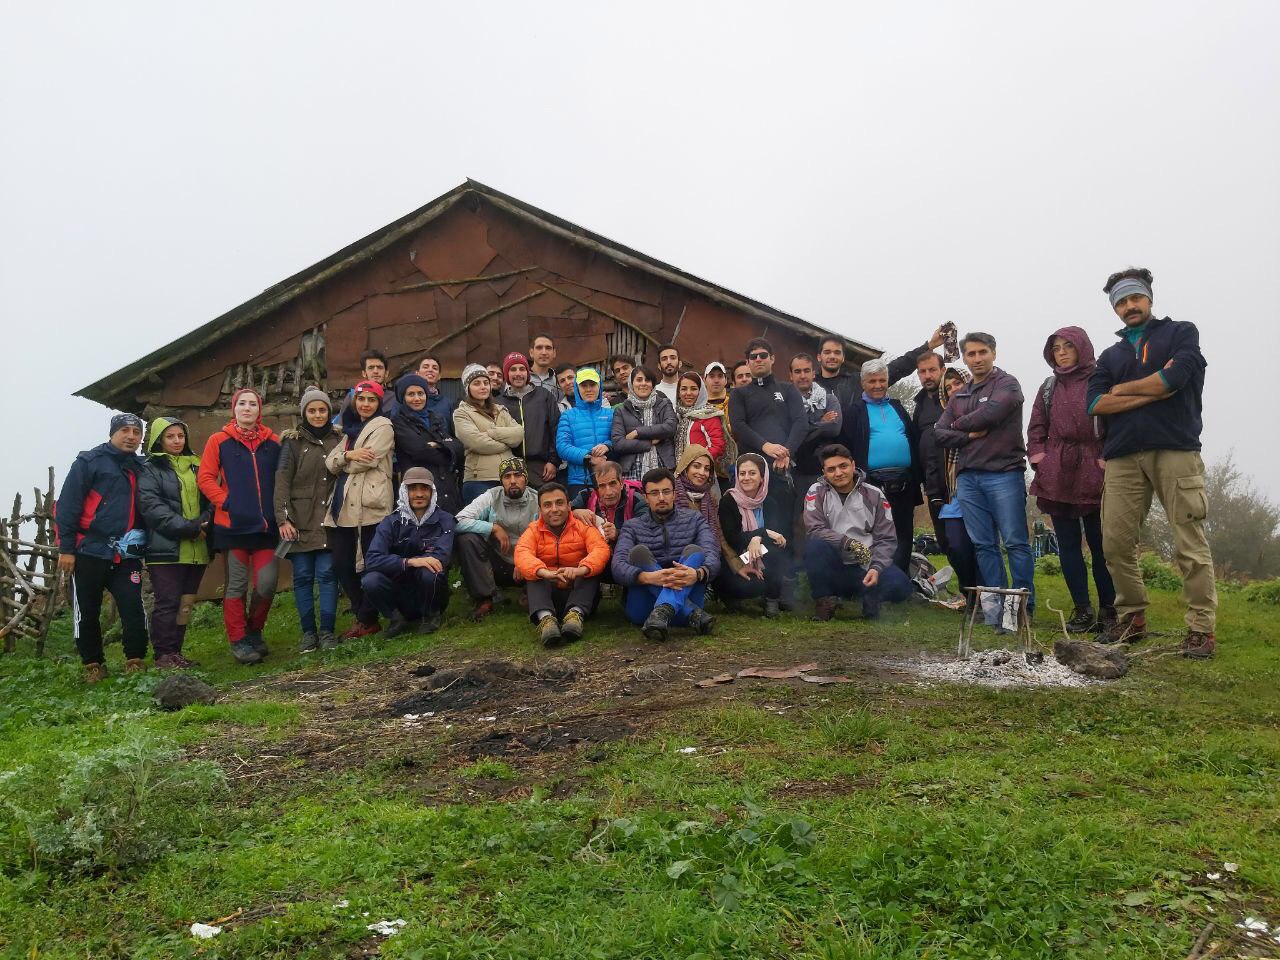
column 509, row 360
column 369, row 386
column 418, row 475
column 310, row 396
column 512, row 465
column 469, row 373
column 587, row 375
column 411, row 380
column 121, row 420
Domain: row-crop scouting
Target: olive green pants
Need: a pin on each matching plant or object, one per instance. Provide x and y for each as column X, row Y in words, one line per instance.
column 1177, row 478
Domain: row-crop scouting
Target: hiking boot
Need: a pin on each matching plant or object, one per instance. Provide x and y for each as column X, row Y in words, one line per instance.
column 549, row 631
column 397, row 626
column 329, row 640
column 359, row 630
column 1106, row 618
column 94, row 673
column 173, row 661
column 1083, row 619
column 1198, row 645
column 658, row 622
column 135, row 665
column 701, row 621
column 244, row 652
column 183, row 663
column 771, row 607
column 482, row 610
column 824, row 608
column 499, row 598
column 259, row 644
column 572, row 625
column 431, row 622
column 1130, row 628
column 309, row 643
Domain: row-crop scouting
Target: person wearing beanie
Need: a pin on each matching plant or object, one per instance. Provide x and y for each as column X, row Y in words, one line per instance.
column 424, row 439
column 487, row 431
column 177, row 515
column 536, row 411
column 304, row 489
column 1147, row 389
column 100, row 544
column 238, row 475
column 584, row 433
column 406, row 568
column 488, row 528
column 363, row 495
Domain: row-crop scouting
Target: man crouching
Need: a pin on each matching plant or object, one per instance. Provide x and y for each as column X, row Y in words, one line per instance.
column 404, row 567
column 561, row 559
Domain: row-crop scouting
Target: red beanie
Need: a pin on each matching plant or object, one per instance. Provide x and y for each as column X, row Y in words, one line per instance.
column 510, row 359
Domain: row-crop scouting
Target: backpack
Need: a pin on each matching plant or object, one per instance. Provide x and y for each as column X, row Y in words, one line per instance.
column 1046, row 394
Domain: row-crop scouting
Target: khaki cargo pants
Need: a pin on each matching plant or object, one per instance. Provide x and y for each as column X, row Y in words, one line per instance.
column 1177, row 478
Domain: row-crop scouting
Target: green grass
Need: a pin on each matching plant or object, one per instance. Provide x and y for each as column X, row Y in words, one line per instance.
column 866, row 821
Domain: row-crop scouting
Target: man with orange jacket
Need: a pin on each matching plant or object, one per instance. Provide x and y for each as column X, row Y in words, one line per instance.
column 561, row 559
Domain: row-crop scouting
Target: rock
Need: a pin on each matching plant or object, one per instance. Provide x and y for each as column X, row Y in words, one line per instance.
column 558, row 668
column 180, row 690
column 1089, row 659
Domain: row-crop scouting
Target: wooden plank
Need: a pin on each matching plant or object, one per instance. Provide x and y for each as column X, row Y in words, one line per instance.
column 453, row 245
column 387, row 310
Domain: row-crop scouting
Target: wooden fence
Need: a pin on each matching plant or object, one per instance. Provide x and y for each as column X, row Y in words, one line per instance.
column 30, row 589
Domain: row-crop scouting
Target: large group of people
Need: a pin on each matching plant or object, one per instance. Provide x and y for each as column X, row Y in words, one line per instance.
column 659, row 485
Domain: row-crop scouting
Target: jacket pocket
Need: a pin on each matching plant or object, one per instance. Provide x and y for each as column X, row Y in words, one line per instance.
column 1190, row 501
column 375, row 492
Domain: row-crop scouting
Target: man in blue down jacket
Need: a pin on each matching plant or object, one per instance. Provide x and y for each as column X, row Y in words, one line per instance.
column 406, row 565
column 665, row 559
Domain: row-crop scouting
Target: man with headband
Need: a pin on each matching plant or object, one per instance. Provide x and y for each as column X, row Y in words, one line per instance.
column 1147, row 389
column 487, row 531
column 101, row 542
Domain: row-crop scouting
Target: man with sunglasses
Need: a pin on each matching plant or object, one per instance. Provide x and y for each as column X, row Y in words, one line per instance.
column 767, row 417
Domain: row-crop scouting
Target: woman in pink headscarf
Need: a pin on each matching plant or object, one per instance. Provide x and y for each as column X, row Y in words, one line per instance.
column 1065, row 450
column 751, row 522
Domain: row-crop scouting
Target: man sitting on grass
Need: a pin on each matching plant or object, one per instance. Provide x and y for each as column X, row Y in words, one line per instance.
column 488, row 528
column 560, row 559
column 665, row 559
column 849, row 539
column 405, row 567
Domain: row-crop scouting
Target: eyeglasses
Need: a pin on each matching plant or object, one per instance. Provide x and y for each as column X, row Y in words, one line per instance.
column 759, row 355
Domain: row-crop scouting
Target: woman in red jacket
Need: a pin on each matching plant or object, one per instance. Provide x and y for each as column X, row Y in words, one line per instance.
column 238, row 475
column 700, row 424
column 1066, row 454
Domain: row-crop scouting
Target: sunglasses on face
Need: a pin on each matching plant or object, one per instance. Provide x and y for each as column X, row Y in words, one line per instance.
column 758, row 355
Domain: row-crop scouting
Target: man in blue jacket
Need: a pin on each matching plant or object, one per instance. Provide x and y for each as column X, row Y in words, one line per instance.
column 101, row 541
column 405, row 567
column 665, row 559
column 1148, row 388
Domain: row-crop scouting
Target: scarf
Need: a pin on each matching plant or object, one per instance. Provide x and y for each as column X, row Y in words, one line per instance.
column 816, row 400
column 249, row 436
column 648, row 460
column 319, row 432
column 950, row 455
column 705, row 499
column 748, row 505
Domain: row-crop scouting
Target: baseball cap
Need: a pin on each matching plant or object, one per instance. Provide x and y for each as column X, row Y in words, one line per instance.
column 587, row 375
column 715, row 365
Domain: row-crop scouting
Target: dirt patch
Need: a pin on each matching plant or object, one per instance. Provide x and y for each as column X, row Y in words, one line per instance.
column 827, row 787
column 464, row 687
column 551, row 738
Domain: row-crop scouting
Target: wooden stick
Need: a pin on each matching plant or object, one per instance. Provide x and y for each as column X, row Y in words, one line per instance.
column 604, row 313
column 427, row 285
column 470, row 324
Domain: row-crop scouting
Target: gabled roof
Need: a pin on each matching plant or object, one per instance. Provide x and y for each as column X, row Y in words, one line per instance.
column 281, row 293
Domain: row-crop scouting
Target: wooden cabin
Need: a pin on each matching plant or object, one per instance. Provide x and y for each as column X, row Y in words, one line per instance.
column 469, row 277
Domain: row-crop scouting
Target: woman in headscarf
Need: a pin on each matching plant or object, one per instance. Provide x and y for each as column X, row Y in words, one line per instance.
column 960, row 551
column 696, row 486
column 304, row 489
column 238, row 475
column 752, row 519
column 487, row 430
column 644, row 427
column 1065, row 451
column 363, row 495
column 176, row 515
column 698, row 422
column 423, row 440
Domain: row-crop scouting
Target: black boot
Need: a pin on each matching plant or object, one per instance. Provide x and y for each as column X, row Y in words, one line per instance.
column 1083, row 619
column 701, row 621
column 396, row 626
column 1106, row 619
column 658, row 622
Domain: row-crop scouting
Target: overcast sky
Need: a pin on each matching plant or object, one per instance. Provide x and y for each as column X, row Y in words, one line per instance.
column 874, row 168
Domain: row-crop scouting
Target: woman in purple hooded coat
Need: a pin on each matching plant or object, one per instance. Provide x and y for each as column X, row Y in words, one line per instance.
column 1066, row 454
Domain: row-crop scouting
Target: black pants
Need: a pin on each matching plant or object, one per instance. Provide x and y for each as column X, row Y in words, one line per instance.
column 960, row 553
column 414, row 593
column 939, row 525
column 777, row 564
column 903, row 507
column 92, row 576
column 483, row 567
column 342, row 544
column 1071, row 553
column 175, row 586
column 543, row 596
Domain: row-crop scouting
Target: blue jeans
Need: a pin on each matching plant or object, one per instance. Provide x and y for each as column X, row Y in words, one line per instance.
column 643, row 597
column 473, row 488
column 994, row 505
column 310, row 568
column 830, row 576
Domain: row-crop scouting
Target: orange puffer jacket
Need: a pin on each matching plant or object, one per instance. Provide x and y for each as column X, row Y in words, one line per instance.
column 577, row 545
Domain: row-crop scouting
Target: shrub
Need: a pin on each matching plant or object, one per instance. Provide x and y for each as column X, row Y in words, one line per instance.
column 1263, row 591
column 1049, row 565
column 1157, row 574
column 104, row 810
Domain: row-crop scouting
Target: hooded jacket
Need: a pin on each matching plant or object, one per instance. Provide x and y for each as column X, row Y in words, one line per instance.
column 1069, row 473
column 626, row 419
column 98, row 502
column 864, row 515
column 577, row 544
column 994, row 405
column 487, row 442
column 239, row 480
column 424, row 438
column 172, row 505
column 1172, row 349
column 304, row 485
column 401, row 536
column 666, row 538
column 581, row 427
column 494, row 506
column 367, row 489
column 535, row 410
